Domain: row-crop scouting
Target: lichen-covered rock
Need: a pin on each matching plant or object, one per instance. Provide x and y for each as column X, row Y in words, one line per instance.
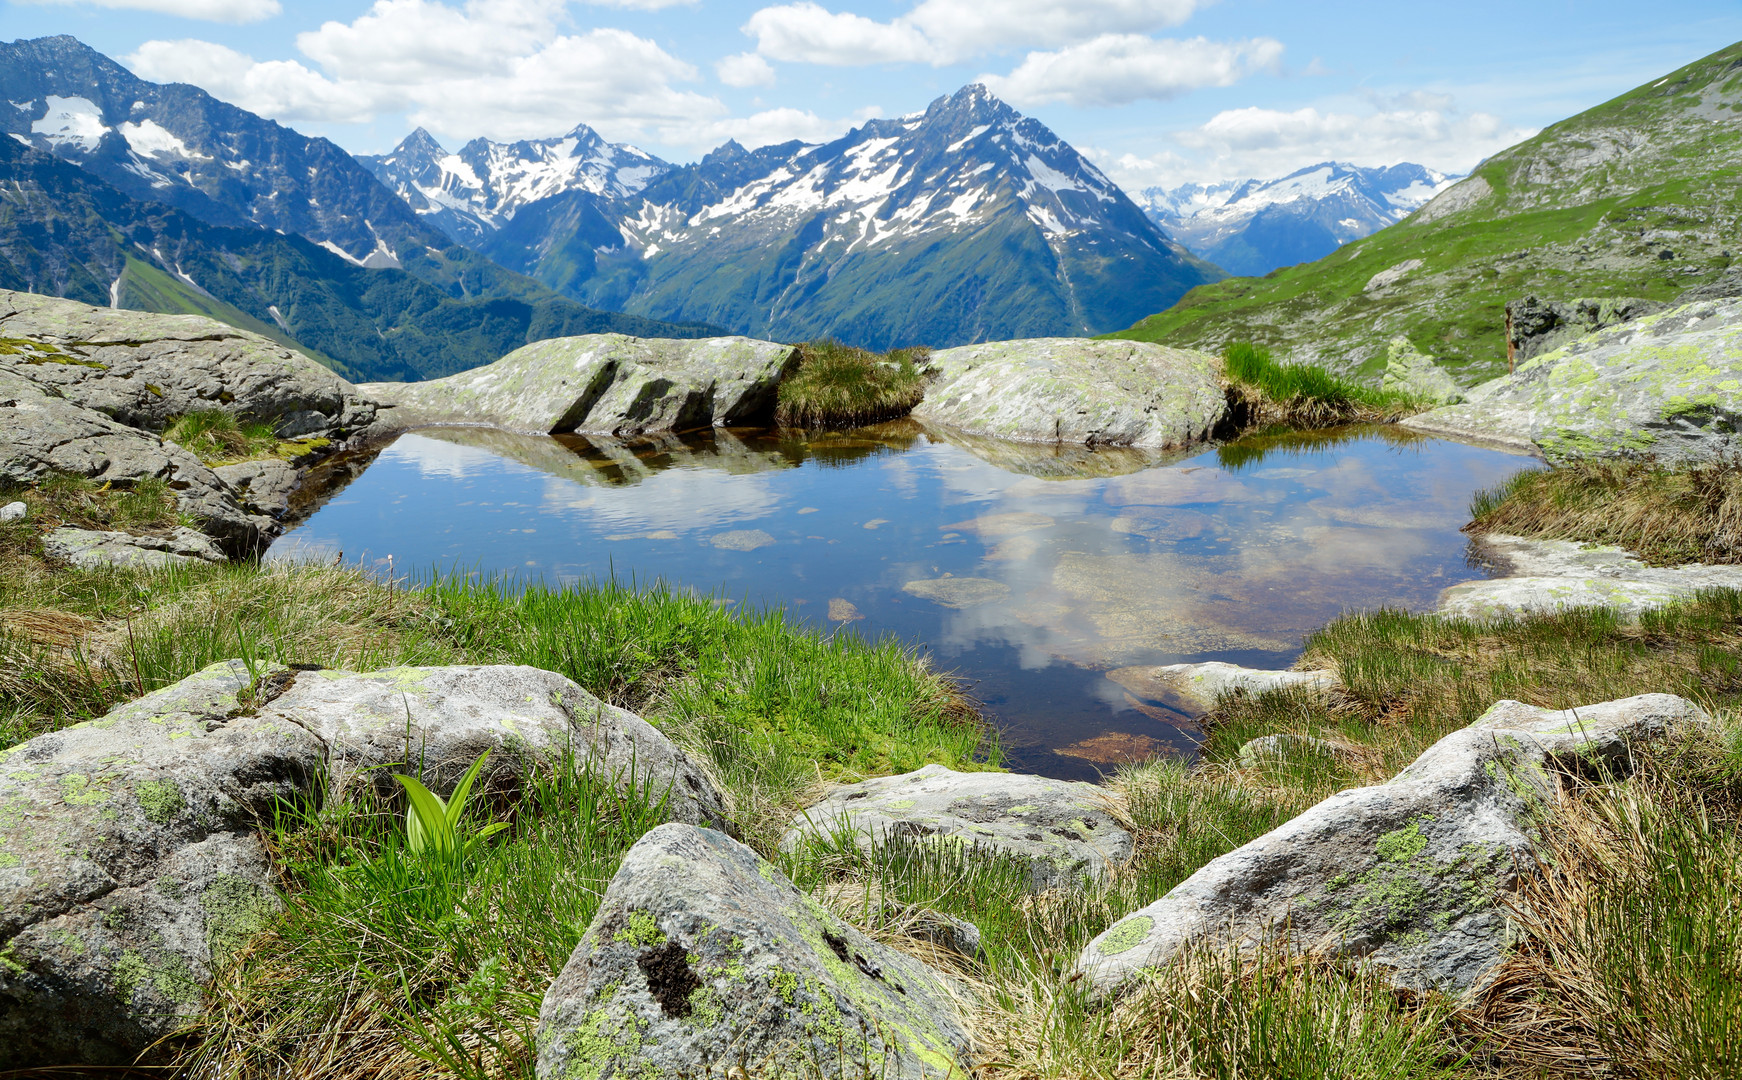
column 129, row 864
column 1061, row 830
column 90, row 547
column 1535, row 326
column 443, row 717
column 1666, row 387
column 1072, row 390
column 607, row 384
column 1551, row 575
column 263, row 487
column 704, row 961
column 144, row 369
column 1204, row 684
column 1403, row 875
column 1410, row 371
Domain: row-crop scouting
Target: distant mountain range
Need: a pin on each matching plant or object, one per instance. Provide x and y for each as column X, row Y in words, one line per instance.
column 164, row 198
column 472, row 194
column 1634, row 198
column 1251, row 227
column 965, row 222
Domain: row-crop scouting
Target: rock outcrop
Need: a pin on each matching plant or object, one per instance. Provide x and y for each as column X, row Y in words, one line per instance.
column 1071, row 390
column 1403, row 875
column 1666, row 387
column 88, row 391
column 1061, row 830
column 605, row 384
column 1549, row 575
column 1204, row 684
column 129, row 863
column 1535, row 326
column 704, row 961
column 89, row 547
column 1410, row 371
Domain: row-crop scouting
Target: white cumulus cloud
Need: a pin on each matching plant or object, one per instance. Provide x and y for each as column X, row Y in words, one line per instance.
column 745, row 69
column 1272, row 142
column 1115, row 69
column 949, row 31
column 225, row 11
column 283, row 89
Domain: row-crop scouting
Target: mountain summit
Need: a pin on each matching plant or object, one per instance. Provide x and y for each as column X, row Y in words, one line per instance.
column 966, row 222
column 1251, row 227
column 471, row 194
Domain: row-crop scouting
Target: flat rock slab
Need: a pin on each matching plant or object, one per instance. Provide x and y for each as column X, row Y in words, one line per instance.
column 129, row 864
column 1072, row 390
column 1204, row 684
column 144, row 370
column 705, row 961
column 1404, row 875
column 608, row 384
column 958, row 592
column 1666, row 387
column 1555, row 575
column 88, row 548
column 1061, row 830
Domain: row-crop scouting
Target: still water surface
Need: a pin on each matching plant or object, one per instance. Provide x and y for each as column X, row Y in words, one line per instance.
column 1033, row 573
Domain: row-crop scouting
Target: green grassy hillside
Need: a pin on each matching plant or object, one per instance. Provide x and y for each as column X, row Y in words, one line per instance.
column 1640, row 196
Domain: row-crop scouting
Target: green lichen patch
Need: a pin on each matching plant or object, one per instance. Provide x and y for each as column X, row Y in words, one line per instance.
column 1126, row 935
column 1402, row 845
column 161, row 800
column 640, row 929
column 77, row 789
column 237, row 910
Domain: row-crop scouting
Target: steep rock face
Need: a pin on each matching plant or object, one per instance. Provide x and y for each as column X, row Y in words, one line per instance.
column 608, row 384
column 470, row 194
column 1403, row 875
column 967, row 222
column 1634, row 198
column 1062, row 831
column 1067, row 390
column 704, row 961
column 1535, row 326
column 1251, row 227
column 129, row 864
column 1667, row 387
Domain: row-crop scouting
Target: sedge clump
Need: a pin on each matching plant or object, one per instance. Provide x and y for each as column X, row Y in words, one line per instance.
column 838, row 385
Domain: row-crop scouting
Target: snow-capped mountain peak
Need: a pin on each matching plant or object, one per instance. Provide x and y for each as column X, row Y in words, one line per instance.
column 1253, row 226
column 472, row 193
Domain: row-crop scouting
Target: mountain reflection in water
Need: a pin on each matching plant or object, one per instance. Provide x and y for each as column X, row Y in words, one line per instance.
column 1029, row 570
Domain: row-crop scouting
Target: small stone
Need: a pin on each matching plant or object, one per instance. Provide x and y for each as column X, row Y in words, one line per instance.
column 958, row 592
column 13, row 511
column 1281, row 747
column 742, row 540
column 842, row 610
column 1061, row 829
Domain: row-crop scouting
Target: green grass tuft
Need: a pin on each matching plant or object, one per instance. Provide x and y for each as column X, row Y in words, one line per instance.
column 1302, row 395
column 838, row 385
column 217, row 437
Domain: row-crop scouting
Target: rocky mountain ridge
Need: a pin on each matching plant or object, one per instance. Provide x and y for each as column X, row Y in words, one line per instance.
column 965, row 222
column 1251, row 227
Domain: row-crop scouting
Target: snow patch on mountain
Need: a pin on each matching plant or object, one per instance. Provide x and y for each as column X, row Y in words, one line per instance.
column 72, row 122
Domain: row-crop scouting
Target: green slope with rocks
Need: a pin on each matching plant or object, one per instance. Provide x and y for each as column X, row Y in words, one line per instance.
column 1640, row 196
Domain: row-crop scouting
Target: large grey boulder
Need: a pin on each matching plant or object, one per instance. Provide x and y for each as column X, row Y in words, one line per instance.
column 607, row 384
column 89, row 547
column 704, row 961
column 144, row 369
column 1404, row 875
column 1204, row 685
column 1553, row 575
column 1061, row 830
column 1535, row 326
column 1412, row 372
column 129, row 864
column 1072, row 390
column 1666, row 387
column 442, row 718
column 43, row 434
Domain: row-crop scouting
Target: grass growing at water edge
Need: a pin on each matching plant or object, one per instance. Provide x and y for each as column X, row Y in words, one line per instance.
column 838, row 385
column 1302, row 395
column 1664, row 515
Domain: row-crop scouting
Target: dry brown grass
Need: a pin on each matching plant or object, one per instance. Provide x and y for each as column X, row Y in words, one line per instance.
column 1665, row 516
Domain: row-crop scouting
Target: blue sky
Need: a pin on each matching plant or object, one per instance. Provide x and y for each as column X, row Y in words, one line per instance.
column 1156, row 91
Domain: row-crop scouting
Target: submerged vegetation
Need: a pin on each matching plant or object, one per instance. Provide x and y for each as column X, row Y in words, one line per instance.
column 837, row 385
column 1301, row 395
column 1663, row 515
